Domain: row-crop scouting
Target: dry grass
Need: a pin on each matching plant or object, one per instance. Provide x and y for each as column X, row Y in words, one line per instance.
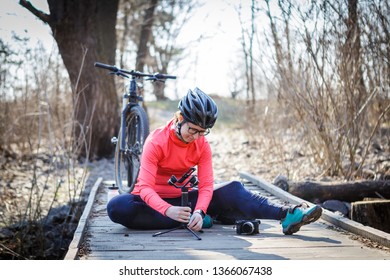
column 272, row 141
column 41, row 178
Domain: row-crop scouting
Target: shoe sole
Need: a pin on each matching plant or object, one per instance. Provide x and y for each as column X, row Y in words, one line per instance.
column 306, row 219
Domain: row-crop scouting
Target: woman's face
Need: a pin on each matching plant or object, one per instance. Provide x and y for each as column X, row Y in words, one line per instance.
column 190, row 132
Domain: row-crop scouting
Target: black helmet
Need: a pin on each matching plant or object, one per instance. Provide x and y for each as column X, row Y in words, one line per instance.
column 198, row 108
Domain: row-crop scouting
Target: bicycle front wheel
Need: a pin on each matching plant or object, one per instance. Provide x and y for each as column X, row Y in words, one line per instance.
column 127, row 161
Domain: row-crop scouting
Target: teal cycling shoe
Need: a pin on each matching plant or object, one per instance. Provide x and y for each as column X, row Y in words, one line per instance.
column 207, row 222
column 299, row 216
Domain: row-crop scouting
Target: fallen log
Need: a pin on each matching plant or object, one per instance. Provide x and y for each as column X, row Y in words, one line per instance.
column 344, row 191
column 373, row 213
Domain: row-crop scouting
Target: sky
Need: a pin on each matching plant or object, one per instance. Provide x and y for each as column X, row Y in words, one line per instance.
column 216, row 20
column 15, row 18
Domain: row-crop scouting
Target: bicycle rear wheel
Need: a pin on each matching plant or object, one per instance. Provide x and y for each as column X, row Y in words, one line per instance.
column 127, row 161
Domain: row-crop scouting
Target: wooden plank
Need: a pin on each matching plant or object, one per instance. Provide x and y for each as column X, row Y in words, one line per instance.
column 233, row 243
column 314, row 242
column 287, row 253
column 221, row 242
column 78, row 235
column 373, row 234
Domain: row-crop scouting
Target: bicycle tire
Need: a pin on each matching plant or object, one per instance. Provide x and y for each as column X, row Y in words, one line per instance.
column 127, row 162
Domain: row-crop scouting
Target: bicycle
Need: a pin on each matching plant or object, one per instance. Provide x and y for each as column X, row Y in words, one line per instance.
column 134, row 127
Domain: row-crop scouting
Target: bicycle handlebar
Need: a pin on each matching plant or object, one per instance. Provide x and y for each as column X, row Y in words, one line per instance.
column 106, row 66
column 121, row 72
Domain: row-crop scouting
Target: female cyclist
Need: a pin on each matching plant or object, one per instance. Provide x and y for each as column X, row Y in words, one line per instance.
column 173, row 150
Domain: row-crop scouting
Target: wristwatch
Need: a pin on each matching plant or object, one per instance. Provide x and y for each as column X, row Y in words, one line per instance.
column 200, row 212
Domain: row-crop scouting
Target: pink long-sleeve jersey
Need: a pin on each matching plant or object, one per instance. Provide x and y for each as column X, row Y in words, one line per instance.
column 165, row 155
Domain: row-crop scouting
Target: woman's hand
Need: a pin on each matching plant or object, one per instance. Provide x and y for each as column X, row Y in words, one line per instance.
column 179, row 213
column 196, row 222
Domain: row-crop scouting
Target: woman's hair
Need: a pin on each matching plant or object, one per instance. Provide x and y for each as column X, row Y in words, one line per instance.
column 178, row 117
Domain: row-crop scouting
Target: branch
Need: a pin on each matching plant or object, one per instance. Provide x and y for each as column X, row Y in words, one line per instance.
column 41, row 15
column 382, row 115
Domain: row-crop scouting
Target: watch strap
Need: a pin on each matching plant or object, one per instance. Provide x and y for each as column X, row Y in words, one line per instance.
column 200, row 212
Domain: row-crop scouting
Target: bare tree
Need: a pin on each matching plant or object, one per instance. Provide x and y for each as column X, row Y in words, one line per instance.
column 85, row 33
column 156, row 26
column 170, row 18
column 145, row 35
column 324, row 64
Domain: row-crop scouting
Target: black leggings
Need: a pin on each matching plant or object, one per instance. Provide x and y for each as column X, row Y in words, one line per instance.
column 229, row 203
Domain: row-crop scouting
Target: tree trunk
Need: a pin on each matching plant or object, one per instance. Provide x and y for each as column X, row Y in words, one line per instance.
column 88, row 28
column 345, row 191
column 158, row 91
column 85, row 33
column 375, row 213
column 144, row 39
column 146, row 31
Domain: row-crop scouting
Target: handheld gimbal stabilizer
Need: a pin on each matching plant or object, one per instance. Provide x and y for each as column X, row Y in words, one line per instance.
column 184, row 189
column 193, row 181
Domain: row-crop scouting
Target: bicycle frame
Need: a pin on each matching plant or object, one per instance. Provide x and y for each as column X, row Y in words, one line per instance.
column 134, row 128
column 129, row 99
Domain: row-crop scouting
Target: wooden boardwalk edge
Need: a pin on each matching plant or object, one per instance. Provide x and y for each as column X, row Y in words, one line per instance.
column 80, row 230
column 373, row 234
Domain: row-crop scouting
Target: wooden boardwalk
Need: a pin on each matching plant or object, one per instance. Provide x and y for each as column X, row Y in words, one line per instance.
column 97, row 238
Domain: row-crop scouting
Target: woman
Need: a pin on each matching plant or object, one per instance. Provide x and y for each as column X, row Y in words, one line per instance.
column 173, row 150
